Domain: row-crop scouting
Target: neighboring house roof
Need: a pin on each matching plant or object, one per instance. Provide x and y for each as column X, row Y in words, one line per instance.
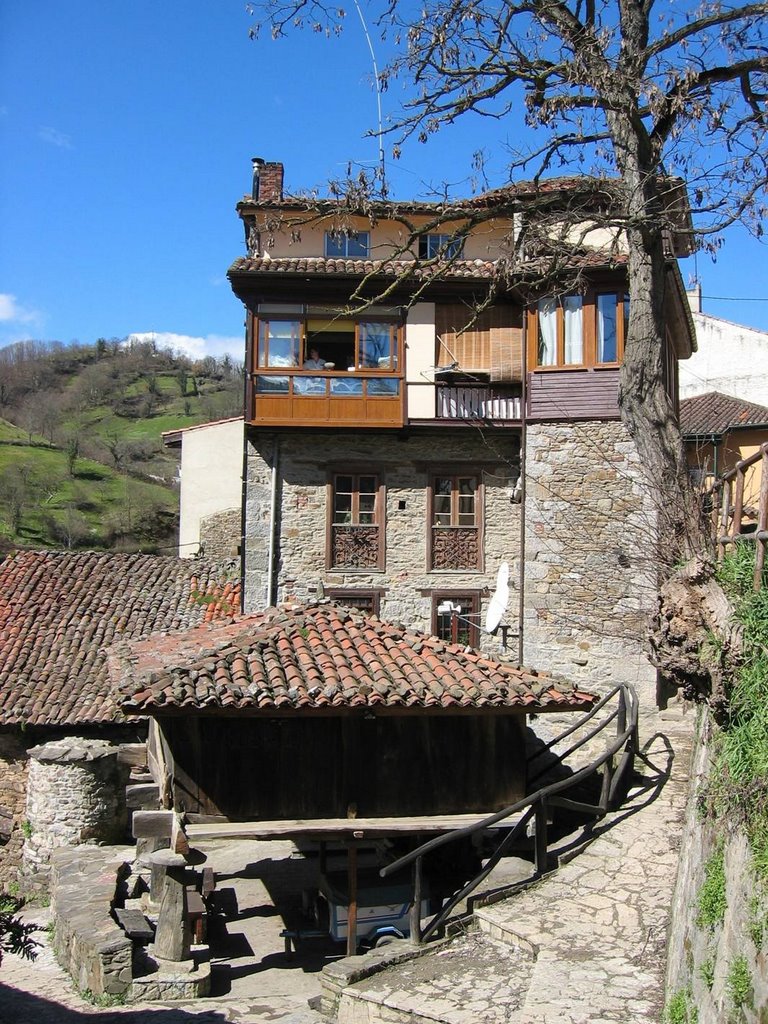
column 172, row 438
column 323, row 658
column 59, row 611
column 716, row 414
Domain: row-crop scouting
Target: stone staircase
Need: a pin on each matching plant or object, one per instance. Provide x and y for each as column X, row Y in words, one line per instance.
column 584, row 945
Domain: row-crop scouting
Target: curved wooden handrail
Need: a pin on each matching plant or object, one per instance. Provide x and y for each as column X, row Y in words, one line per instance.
column 536, row 804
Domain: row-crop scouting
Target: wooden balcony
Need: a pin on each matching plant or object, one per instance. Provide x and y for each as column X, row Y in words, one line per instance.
column 477, row 403
column 325, row 398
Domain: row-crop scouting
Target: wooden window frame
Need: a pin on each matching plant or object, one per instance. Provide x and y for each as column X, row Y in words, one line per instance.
column 380, row 504
column 457, row 597
column 455, row 474
column 589, row 331
column 396, row 330
column 348, row 595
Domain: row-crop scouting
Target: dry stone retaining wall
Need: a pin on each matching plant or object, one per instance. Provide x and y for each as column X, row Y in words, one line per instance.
column 88, row 943
column 220, row 534
column 701, row 957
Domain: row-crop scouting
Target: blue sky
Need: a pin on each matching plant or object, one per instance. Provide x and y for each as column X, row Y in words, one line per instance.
column 126, row 133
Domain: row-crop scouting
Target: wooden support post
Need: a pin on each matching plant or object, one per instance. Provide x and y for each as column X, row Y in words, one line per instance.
column 621, row 719
column 541, row 837
column 173, row 935
column 606, row 787
column 352, row 907
column 415, row 915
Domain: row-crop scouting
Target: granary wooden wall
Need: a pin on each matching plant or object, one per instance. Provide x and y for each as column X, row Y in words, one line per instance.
column 252, row 769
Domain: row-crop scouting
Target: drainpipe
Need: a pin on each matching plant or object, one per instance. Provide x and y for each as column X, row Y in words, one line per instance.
column 271, row 596
column 523, row 451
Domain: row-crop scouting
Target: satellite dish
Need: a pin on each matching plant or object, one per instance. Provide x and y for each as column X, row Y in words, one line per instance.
column 499, row 601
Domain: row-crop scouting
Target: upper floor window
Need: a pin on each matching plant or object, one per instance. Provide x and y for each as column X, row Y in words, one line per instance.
column 455, row 511
column 356, row 522
column 560, row 337
column 347, row 244
column 446, row 246
column 575, row 330
column 319, row 338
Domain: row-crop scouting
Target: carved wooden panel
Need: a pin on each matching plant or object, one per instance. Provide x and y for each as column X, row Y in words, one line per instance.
column 455, row 548
column 355, row 547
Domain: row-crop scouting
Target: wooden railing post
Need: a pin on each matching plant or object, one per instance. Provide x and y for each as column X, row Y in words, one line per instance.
column 540, row 837
column 415, row 915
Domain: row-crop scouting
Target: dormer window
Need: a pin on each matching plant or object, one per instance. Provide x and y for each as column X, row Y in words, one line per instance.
column 352, row 245
column 439, row 246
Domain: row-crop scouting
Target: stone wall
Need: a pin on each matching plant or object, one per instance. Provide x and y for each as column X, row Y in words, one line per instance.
column 88, row 943
column 14, row 763
column 75, row 794
column 701, row 957
column 404, row 464
column 220, row 535
column 590, row 579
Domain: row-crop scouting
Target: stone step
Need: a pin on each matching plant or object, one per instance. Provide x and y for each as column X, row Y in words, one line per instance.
column 471, row 979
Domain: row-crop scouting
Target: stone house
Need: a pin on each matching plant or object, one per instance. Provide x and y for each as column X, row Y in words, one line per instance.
column 61, row 780
column 404, row 437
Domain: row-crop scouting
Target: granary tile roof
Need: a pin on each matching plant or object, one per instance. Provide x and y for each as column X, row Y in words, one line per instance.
column 716, row 413
column 59, row 611
column 323, row 658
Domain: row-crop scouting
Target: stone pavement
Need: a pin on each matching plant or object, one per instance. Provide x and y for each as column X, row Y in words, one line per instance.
column 586, row 945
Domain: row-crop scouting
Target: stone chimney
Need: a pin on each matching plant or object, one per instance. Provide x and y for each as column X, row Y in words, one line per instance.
column 267, row 181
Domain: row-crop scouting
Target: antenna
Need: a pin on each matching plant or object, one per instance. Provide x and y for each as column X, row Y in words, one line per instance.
column 378, row 87
column 499, row 601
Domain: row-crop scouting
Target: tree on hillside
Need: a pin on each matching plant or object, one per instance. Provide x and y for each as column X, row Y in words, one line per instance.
column 624, row 88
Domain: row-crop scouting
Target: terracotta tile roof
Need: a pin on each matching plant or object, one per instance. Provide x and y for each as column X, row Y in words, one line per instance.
column 322, row 657
column 59, row 611
column 716, row 413
column 516, row 190
column 471, row 270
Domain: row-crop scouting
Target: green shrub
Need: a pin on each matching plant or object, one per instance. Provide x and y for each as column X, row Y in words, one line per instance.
column 707, row 972
column 739, row 982
column 680, row 1009
column 711, row 901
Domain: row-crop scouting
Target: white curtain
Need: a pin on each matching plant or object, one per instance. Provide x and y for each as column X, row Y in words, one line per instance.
column 547, row 350
column 574, row 340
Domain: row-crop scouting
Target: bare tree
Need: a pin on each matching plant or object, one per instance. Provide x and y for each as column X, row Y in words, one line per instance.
column 618, row 89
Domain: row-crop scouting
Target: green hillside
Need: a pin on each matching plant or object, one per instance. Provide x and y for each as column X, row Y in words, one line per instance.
column 81, row 458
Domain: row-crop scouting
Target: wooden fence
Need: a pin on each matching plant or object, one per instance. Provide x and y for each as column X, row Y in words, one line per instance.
column 740, row 509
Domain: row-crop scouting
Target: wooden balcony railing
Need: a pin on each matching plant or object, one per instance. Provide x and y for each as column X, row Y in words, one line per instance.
column 476, row 403
column 740, row 509
column 326, row 398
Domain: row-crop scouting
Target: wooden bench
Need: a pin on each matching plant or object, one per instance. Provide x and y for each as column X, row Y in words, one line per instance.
column 197, row 915
column 134, row 924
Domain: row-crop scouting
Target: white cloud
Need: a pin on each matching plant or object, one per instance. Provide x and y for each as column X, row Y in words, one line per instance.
column 195, row 347
column 12, row 312
column 54, row 137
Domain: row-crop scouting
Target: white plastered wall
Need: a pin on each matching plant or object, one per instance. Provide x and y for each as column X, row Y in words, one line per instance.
column 211, row 477
column 420, row 361
column 731, row 358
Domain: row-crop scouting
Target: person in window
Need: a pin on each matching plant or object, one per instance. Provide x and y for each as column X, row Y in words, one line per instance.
column 314, row 362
